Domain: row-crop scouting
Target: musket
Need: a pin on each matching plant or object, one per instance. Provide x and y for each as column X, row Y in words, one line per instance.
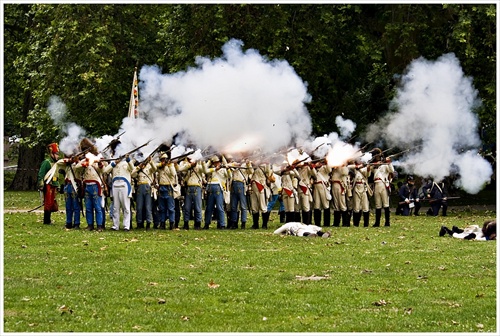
column 128, row 153
column 182, row 156
column 317, row 147
column 158, row 149
column 41, row 200
column 112, row 142
column 361, row 149
column 440, row 199
column 41, row 205
column 293, row 165
column 77, row 155
column 388, row 157
column 317, row 160
column 427, row 200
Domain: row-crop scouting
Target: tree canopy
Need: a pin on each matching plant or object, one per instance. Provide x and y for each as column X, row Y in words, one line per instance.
column 348, row 54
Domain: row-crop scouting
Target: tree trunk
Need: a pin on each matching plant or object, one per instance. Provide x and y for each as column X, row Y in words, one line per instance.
column 29, row 158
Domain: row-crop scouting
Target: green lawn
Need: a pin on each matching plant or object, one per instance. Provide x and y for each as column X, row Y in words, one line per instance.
column 404, row 278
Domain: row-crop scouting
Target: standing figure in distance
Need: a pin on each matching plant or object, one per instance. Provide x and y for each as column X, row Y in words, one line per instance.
column 382, row 180
column 48, row 182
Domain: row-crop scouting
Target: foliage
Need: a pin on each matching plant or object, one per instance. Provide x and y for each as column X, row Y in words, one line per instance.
column 349, row 55
column 399, row 279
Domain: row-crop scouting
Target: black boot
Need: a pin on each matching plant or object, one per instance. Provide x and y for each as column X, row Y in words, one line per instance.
column 456, row 229
column 305, row 217
column 186, row 226
column 336, row 218
column 265, row 219
column 139, row 225
column 46, row 217
column 387, row 216
column 326, row 217
column 345, row 218
column 282, row 217
column 148, row 226
column 243, row 224
column 444, row 230
column 356, row 218
column 378, row 215
column 206, row 226
column 366, row 218
column 317, row 217
column 297, row 216
column 197, row 225
column 289, row 217
column 171, row 225
column 155, row 225
column 163, row 226
column 255, row 218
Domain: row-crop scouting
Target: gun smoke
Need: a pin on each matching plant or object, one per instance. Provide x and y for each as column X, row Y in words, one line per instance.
column 434, row 116
column 245, row 102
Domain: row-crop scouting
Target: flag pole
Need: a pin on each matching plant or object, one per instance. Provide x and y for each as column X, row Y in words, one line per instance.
column 133, row 108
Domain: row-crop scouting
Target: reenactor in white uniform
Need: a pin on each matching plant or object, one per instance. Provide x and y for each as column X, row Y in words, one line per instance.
column 360, row 191
column 304, row 190
column 301, row 230
column 322, row 192
column 289, row 182
column 260, row 193
column 122, row 191
column 382, row 178
column 339, row 190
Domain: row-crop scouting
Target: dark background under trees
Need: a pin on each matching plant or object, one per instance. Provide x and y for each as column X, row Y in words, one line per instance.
column 348, row 54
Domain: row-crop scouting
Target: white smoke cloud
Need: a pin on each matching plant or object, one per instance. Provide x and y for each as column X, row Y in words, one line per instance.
column 346, row 126
column 74, row 134
column 57, row 110
column 435, row 106
column 240, row 98
column 71, row 132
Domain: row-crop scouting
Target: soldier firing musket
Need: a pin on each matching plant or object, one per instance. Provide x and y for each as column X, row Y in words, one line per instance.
column 128, row 153
column 113, row 144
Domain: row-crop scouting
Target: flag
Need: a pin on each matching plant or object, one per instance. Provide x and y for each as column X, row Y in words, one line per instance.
column 134, row 98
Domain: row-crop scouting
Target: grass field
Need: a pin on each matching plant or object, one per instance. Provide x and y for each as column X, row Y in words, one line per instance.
column 404, row 278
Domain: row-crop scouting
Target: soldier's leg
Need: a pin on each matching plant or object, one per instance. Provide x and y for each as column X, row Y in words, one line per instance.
column 366, row 218
column 387, row 216
column 356, row 217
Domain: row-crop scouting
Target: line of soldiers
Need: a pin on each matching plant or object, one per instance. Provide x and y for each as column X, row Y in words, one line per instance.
column 308, row 191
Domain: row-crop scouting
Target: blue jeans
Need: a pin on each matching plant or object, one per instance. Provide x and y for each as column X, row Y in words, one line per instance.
column 166, row 204
column 192, row 200
column 215, row 199
column 273, row 200
column 93, row 204
column 72, row 205
column 144, row 204
column 238, row 197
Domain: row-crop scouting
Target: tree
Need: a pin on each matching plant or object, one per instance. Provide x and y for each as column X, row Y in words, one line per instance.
column 347, row 53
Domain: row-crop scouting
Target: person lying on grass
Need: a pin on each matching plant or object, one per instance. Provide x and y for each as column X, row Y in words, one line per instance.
column 473, row 232
column 301, row 230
